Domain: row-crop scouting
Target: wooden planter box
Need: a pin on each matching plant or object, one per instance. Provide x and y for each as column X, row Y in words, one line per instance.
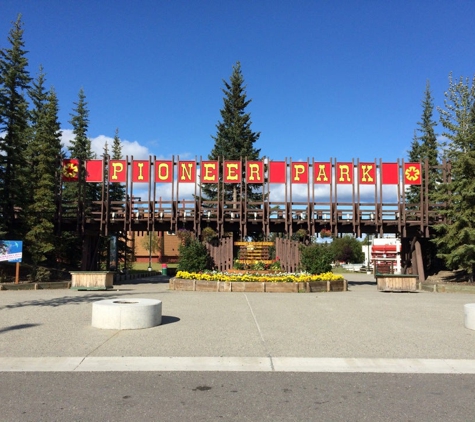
column 397, row 282
column 282, row 287
column 92, row 280
column 206, row 286
column 257, row 286
column 317, row 286
column 254, row 286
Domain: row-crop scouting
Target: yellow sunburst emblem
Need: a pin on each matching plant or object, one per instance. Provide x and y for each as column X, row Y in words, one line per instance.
column 70, row 170
column 412, row 173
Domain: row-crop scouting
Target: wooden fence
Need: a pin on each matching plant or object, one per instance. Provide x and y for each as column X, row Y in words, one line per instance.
column 222, row 253
column 288, row 252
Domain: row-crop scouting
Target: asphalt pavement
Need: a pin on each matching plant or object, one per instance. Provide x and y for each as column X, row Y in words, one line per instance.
column 362, row 330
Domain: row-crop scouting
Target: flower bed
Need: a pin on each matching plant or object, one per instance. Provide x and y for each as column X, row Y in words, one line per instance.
column 269, row 278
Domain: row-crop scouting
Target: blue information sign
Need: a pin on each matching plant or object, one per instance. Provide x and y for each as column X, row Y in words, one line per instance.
column 11, row 250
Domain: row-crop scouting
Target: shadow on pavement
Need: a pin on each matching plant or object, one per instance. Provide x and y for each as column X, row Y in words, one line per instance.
column 361, row 283
column 167, row 319
column 59, row 301
column 17, row 327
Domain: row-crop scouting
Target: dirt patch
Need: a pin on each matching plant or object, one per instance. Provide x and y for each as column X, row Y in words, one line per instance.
column 455, row 277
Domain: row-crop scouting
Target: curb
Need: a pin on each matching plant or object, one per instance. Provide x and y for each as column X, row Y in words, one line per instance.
column 36, row 286
column 447, row 288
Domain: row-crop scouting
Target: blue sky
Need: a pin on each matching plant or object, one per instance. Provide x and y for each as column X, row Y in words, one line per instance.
column 341, row 79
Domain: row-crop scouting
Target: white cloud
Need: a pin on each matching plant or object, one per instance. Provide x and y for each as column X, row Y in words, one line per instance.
column 67, row 136
column 129, row 148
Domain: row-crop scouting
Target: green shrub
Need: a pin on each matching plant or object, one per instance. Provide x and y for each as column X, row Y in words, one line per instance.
column 39, row 274
column 194, row 257
column 316, row 258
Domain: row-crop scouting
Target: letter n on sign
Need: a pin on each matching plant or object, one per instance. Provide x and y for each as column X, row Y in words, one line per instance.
column 187, row 171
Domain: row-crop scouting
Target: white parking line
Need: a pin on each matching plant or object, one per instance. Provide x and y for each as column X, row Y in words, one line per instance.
column 232, row 364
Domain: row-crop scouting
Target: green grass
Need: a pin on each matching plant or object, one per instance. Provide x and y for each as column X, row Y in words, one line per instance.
column 143, row 266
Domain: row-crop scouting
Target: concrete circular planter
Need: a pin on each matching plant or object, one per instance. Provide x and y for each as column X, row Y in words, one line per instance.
column 126, row 314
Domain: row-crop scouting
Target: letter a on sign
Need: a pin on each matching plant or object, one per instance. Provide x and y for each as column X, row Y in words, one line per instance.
column 412, row 173
column 322, row 172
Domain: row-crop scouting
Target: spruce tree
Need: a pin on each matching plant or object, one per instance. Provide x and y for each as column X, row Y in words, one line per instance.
column 44, row 155
column 116, row 190
column 234, row 139
column 14, row 83
column 77, row 195
column 425, row 147
column 456, row 236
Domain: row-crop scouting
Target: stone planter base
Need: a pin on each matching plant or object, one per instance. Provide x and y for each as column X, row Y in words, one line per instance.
column 262, row 287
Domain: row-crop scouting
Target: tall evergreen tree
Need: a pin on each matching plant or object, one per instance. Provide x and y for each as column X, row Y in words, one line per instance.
column 116, row 190
column 79, row 195
column 44, row 174
column 456, row 236
column 14, row 82
column 234, row 139
column 81, row 145
column 425, row 147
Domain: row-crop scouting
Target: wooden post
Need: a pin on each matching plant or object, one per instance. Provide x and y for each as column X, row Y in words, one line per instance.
column 17, row 273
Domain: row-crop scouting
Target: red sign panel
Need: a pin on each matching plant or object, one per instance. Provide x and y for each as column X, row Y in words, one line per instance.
column 255, row 172
column 232, row 172
column 390, row 173
column 412, row 173
column 71, row 170
column 94, row 171
column 299, row 172
column 209, row 172
column 140, row 171
column 322, row 173
column 163, row 171
column 367, row 173
column 277, row 172
column 344, row 173
column 117, row 171
column 187, row 171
